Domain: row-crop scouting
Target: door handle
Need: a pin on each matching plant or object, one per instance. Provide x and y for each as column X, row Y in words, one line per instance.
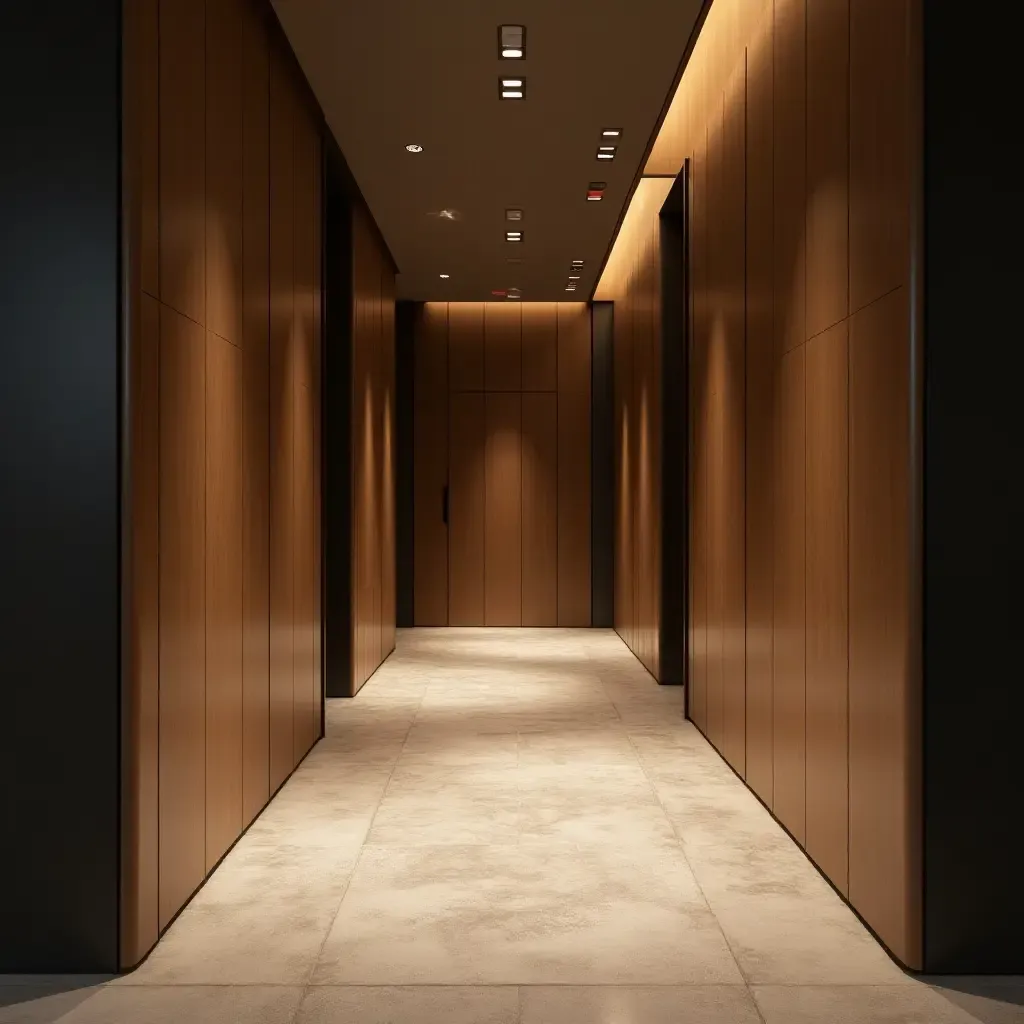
column 444, row 504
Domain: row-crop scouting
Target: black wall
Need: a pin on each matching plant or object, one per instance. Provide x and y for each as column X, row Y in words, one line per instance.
column 59, row 481
column 974, row 509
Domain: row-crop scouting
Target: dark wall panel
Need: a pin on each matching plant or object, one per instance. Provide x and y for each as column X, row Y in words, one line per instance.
column 59, row 476
column 602, row 464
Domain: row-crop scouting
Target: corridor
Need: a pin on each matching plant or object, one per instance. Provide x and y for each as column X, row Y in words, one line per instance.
column 511, row 826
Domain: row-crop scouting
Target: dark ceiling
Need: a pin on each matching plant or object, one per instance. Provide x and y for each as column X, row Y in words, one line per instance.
column 396, row 72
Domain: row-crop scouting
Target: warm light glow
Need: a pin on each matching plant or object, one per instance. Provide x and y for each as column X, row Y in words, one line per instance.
column 512, row 54
column 511, row 94
column 611, row 133
column 512, row 83
column 414, row 148
column 444, row 277
column 593, row 199
column 574, row 277
column 606, row 149
column 605, row 156
column 643, row 208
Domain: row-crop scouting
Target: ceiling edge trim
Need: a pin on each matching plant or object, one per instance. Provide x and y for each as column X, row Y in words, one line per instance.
column 691, row 42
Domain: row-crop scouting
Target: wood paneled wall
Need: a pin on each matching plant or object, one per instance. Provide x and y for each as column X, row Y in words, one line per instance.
column 502, row 427
column 373, row 456
column 796, row 117
column 223, row 157
column 637, row 327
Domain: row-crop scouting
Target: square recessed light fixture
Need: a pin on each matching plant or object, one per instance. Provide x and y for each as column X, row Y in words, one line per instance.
column 572, row 277
column 595, row 191
column 577, row 263
column 512, row 88
column 513, row 236
column 611, row 133
column 513, row 215
column 511, row 42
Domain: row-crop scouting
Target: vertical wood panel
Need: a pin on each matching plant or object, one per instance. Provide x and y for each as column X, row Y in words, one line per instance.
column 317, row 393
column 224, row 168
column 624, row 469
column 540, row 509
column 734, row 741
column 698, row 440
column 759, row 395
column 789, row 106
column 884, row 809
column 466, row 346
column 574, row 464
column 828, row 137
column 880, row 135
column 789, row 687
column 430, row 572
column 304, row 258
column 223, row 596
column 503, row 514
column 141, row 732
column 183, row 158
column 466, row 513
column 540, row 346
column 827, row 562
column 282, row 424
column 182, row 610
column 388, row 466
column 256, row 452
column 503, row 352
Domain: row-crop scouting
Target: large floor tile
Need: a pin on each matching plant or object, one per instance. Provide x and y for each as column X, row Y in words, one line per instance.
column 612, row 1004
column 862, row 1004
column 435, row 1004
column 524, row 915
column 604, row 745
column 41, row 1001
column 254, row 1004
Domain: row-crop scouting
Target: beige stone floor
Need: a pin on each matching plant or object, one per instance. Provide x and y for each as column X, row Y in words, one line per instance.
column 514, row 826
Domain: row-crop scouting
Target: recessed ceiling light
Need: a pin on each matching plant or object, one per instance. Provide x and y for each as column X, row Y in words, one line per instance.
column 444, row 277
column 595, row 190
column 414, row 148
column 513, row 236
column 611, row 133
column 512, row 88
column 593, row 197
column 606, row 149
column 572, row 277
column 606, row 156
column 511, row 296
column 512, row 42
column 577, row 263
column 513, row 215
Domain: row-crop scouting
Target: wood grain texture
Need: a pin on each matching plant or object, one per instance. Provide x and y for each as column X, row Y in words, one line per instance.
column 430, row 570
column 503, row 346
column 885, row 810
column 388, row 466
column 828, row 157
column 733, row 553
column 183, row 158
column 305, row 254
column 282, row 426
column 624, row 489
column 503, row 511
column 466, row 346
column 466, row 435
column 759, row 417
column 256, row 429
column 827, row 568
column 699, row 453
column 574, row 464
column 789, row 725
column 540, row 346
column 224, row 168
column 141, row 725
column 182, row 610
column 540, row 509
column 224, row 585
column 790, row 155
column 880, row 139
